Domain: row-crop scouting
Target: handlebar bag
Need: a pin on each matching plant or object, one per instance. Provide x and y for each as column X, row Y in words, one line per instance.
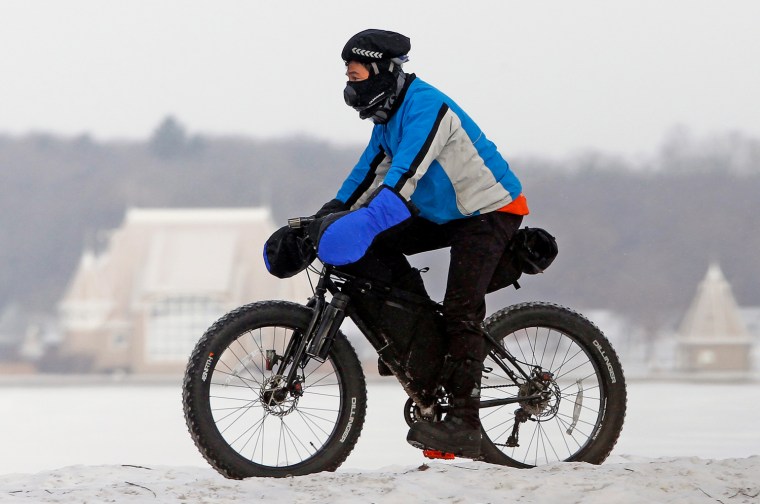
column 288, row 252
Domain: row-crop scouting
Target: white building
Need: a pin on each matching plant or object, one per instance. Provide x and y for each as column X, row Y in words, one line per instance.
column 713, row 336
column 165, row 276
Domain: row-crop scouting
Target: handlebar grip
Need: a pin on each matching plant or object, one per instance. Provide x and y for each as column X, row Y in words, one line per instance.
column 299, row 222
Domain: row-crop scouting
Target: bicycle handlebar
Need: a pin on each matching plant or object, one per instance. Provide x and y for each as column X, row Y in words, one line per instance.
column 300, row 222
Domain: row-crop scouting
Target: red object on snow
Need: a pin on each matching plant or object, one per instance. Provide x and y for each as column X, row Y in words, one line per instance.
column 435, row 454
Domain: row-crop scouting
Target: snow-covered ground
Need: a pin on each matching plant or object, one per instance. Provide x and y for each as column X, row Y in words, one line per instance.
column 667, row 480
column 682, row 442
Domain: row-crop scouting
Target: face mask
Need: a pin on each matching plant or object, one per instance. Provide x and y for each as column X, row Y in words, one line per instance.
column 367, row 95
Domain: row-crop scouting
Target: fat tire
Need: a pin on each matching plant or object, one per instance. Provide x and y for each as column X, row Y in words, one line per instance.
column 596, row 346
column 196, row 402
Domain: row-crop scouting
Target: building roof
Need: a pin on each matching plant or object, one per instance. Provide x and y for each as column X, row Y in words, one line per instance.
column 159, row 253
column 187, row 261
column 192, row 250
column 713, row 317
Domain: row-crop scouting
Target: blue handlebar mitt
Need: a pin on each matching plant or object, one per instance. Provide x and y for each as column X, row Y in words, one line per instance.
column 346, row 238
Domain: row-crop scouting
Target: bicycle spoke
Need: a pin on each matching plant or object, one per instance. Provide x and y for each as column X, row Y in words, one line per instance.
column 298, row 424
column 563, row 416
column 245, row 409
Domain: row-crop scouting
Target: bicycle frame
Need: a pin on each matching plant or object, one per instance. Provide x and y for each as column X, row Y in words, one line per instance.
column 297, row 350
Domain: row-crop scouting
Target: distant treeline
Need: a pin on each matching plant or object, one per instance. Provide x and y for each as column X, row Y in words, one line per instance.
column 634, row 236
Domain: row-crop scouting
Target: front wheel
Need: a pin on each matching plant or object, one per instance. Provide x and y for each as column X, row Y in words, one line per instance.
column 573, row 406
column 243, row 416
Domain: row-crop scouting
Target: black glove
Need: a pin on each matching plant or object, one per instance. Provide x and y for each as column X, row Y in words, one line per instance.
column 332, row 206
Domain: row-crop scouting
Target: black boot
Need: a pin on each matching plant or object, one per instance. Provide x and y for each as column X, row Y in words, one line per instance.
column 460, row 432
column 455, row 434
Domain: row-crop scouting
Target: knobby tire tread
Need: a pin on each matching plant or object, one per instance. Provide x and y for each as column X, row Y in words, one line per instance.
column 197, row 361
column 603, row 445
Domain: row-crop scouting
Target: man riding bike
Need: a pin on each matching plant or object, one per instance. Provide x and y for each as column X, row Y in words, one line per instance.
column 428, row 179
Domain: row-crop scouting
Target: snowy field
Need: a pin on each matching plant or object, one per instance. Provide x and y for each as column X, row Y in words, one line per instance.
column 682, row 442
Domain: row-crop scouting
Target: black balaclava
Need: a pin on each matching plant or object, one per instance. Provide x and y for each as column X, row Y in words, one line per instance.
column 383, row 52
column 375, row 96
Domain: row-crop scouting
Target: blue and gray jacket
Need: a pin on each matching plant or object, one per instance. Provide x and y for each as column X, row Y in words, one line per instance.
column 435, row 156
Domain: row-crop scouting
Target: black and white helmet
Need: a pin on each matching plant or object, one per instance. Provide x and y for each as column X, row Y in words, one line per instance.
column 373, row 46
column 383, row 53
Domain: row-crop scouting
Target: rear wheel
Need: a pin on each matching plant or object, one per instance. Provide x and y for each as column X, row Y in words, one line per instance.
column 573, row 406
column 243, row 416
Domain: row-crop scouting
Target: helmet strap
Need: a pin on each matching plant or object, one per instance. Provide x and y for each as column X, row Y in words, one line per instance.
column 376, row 68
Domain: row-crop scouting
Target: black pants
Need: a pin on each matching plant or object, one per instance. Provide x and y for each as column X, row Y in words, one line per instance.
column 477, row 245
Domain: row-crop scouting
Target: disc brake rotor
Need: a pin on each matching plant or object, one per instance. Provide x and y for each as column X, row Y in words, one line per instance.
column 545, row 408
column 275, row 397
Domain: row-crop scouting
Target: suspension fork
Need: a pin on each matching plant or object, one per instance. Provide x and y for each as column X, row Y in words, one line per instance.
column 295, row 353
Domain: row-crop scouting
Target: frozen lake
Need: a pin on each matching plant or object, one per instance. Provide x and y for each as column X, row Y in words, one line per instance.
column 47, row 427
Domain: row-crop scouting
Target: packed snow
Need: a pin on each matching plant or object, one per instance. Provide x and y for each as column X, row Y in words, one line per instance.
column 682, row 442
column 664, row 480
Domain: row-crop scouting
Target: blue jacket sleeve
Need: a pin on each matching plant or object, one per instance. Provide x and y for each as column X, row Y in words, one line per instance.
column 364, row 174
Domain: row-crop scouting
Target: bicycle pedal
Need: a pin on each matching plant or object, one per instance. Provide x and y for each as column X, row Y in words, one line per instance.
column 436, row 454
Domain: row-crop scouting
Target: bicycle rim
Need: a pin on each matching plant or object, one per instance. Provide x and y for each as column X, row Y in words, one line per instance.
column 559, row 428
column 257, row 416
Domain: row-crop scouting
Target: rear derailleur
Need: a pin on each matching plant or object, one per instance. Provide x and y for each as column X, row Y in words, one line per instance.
column 521, row 416
column 541, row 399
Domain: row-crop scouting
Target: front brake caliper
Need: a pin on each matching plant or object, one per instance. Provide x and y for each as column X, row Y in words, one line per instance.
column 296, row 388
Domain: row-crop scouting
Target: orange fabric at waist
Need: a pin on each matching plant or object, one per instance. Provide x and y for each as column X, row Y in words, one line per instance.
column 518, row 206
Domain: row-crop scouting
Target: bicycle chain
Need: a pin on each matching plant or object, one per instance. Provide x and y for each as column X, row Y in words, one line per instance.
column 499, row 386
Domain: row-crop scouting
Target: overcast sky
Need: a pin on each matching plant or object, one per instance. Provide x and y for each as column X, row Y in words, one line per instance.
column 547, row 78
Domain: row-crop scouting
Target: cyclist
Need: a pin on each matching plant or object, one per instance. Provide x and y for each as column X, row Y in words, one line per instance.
column 428, row 179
